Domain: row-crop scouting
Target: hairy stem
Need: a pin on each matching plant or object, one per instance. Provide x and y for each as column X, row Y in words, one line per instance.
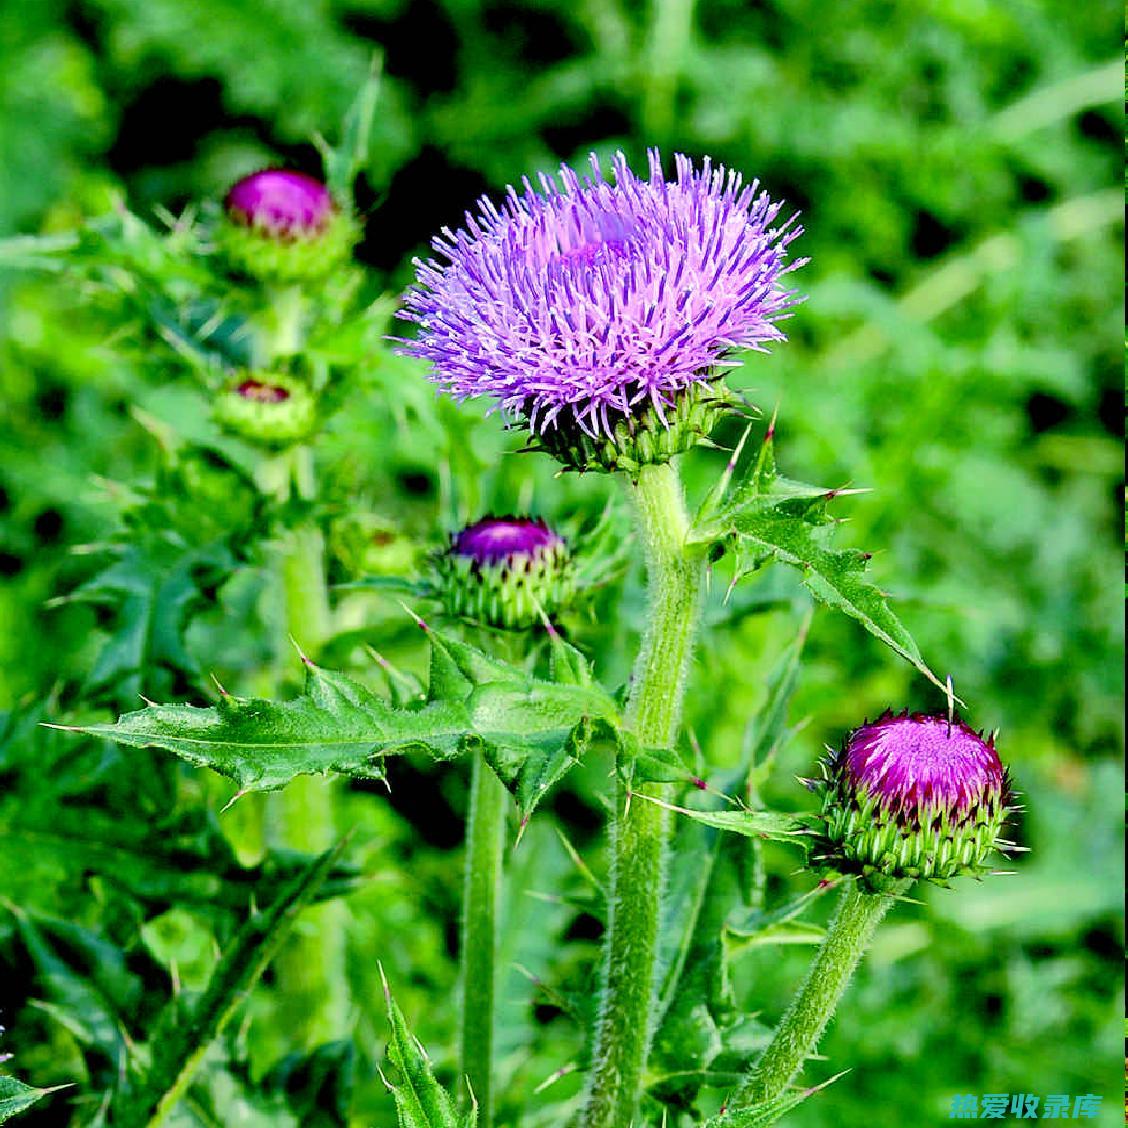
column 640, row 830
column 485, row 845
column 797, row 1036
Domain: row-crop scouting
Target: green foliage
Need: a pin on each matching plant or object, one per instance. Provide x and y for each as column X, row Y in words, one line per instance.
column 768, row 517
column 185, row 1030
column 16, row 1097
column 421, row 1102
column 959, row 170
column 530, row 731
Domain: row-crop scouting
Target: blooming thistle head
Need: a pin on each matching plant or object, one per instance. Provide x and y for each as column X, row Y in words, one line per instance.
column 505, row 571
column 284, row 226
column 910, row 796
column 602, row 315
column 268, row 409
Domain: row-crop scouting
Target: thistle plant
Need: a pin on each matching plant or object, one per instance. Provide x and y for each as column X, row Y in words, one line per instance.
column 602, row 314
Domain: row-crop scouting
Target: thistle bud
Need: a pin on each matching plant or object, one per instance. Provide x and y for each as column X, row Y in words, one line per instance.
column 912, row 796
column 268, row 409
column 500, row 570
column 284, row 226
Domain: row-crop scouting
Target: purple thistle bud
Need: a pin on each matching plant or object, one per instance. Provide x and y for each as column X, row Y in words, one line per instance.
column 281, row 203
column 493, row 539
column 284, row 226
column 912, row 795
column 505, row 571
column 594, row 310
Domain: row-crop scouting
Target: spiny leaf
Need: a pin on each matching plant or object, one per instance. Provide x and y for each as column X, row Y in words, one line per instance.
column 768, row 517
column 421, row 1102
column 16, row 1097
column 529, row 730
column 185, row 1030
column 764, row 1115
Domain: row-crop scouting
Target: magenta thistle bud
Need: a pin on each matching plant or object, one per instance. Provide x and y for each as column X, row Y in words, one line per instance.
column 281, row 225
column 505, row 571
column 269, row 409
column 911, row 795
column 601, row 315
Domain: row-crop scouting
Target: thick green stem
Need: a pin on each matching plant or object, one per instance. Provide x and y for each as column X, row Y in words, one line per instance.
column 311, row 966
column 641, row 829
column 481, row 906
column 797, row 1036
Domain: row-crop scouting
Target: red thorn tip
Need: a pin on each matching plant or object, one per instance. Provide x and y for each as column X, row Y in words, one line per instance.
column 825, row 883
column 701, row 785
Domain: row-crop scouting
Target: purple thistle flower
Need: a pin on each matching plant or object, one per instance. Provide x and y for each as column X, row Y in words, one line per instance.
column 583, row 305
column 280, row 202
column 912, row 795
column 912, row 764
column 494, row 539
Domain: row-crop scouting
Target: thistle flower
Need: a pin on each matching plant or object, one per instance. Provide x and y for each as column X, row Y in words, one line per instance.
column 912, row 795
column 602, row 315
column 270, row 409
column 284, row 226
column 504, row 571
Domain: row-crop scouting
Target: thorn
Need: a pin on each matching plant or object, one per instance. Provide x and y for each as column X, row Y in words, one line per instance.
column 521, row 830
column 384, row 983
column 234, row 799
column 701, row 785
column 418, row 621
column 150, row 703
column 219, row 685
column 627, row 806
column 951, row 704
column 769, row 435
column 387, row 1084
column 306, row 660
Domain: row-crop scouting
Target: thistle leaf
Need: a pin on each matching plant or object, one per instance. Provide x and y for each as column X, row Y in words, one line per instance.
column 764, row 1115
column 421, row 1102
column 16, row 1097
column 530, row 731
column 768, row 517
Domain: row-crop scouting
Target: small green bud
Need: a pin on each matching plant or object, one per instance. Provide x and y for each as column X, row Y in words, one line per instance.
column 268, row 409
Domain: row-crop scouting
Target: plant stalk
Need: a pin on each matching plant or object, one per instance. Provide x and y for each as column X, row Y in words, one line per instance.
column 640, row 830
column 481, row 907
column 797, row 1036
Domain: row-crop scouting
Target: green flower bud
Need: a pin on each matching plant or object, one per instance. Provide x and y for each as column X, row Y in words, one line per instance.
column 269, row 409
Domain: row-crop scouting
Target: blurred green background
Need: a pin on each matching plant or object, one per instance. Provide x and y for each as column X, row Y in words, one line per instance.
column 958, row 166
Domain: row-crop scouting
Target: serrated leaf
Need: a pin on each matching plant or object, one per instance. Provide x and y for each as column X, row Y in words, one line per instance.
column 421, row 1102
column 529, row 730
column 16, row 1097
column 768, row 517
column 764, row 1115
column 834, row 576
column 185, row 1030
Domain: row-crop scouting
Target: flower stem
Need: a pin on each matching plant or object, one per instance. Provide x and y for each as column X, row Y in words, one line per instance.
column 485, row 844
column 798, row 1034
column 640, row 831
